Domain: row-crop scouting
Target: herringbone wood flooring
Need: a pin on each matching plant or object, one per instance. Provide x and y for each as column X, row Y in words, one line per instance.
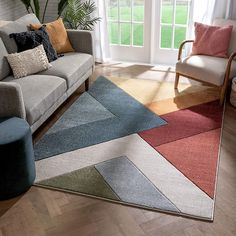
column 46, row 212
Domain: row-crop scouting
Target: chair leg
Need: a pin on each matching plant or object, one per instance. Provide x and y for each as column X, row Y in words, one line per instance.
column 176, row 80
column 222, row 95
column 87, row 84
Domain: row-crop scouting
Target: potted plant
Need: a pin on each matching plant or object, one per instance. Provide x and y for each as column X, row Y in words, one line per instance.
column 78, row 14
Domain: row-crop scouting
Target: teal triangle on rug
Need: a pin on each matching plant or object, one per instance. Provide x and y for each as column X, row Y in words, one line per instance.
column 114, row 114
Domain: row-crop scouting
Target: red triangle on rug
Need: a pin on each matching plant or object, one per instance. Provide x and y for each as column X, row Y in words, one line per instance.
column 196, row 157
column 185, row 123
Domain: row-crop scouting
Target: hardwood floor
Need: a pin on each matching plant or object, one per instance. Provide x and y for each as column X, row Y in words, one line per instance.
column 46, row 212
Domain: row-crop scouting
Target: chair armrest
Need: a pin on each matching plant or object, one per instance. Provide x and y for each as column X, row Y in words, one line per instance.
column 82, row 41
column 229, row 64
column 11, row 100
column 228, row 69
column 231, row 58
column 181, row 47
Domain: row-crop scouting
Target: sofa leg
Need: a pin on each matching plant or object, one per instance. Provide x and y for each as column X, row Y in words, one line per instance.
column 176, row 80
column 87, row 84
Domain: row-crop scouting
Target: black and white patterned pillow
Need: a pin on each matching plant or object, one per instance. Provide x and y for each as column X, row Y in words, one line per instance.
column 31, row 39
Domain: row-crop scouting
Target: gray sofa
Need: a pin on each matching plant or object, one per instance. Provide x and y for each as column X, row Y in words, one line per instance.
column 36, row 97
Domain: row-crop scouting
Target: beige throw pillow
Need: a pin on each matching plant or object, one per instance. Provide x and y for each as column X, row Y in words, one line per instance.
column 28, row 62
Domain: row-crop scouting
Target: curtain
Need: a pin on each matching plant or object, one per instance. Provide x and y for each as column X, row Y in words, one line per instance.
column 102, row 46
column 224, row 9
column 205, row 11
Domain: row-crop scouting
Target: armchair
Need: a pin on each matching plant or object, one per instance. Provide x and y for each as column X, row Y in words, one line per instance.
column 208, row 69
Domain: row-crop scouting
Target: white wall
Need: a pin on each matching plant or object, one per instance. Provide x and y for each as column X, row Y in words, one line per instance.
column 222, row 10
column 14, row 9
column 11, row 9
column 233, row 15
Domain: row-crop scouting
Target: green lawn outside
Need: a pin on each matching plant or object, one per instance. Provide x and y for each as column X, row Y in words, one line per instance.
column 166, row 31
column 181, row 14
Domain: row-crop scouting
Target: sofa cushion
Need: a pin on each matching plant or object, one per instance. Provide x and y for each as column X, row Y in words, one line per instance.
column 70, row 67
column 206, row 68
column 17, row 26
column 4, row 66
column 39, row 93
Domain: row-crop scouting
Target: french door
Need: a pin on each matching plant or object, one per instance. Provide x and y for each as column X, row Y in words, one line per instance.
column 148, row 31
column 129, row 29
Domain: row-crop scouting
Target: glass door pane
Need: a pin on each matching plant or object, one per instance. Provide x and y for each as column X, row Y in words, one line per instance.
column 182, row 12
column 138, row 10
column 125, row 10
column 138, row 30
column 167, row 8
column 166, row 36
column 129, row 24
column 174, row 22
column 113, row 10
column 179, row 36
column 114, row 33
column 125, row 31
column 126, row 22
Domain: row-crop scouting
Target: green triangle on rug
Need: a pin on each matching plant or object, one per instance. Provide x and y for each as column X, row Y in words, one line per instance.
column 86, row 180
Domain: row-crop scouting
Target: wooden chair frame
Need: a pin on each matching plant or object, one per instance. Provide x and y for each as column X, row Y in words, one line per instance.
column 225, row 84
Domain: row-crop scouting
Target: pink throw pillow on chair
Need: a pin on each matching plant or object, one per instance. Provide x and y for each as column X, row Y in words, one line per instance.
column 211, row 40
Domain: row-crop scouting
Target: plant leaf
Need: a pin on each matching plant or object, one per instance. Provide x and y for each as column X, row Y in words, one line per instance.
column 79, row 15
column 37, row 8
column 61, row 6
column 26, row 3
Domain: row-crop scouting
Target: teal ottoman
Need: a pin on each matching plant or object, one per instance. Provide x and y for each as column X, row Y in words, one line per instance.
column 17, row 167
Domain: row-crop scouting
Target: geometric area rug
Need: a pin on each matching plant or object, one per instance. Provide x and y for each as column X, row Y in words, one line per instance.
column 127, row 142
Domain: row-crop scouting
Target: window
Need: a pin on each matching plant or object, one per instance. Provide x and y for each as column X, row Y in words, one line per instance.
column 126, row 22
column 174, row 22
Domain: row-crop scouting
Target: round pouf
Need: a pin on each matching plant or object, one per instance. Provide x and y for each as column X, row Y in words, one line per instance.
column 17, row 167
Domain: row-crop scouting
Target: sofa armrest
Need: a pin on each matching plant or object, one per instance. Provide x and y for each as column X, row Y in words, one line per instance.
column 11, row 100
column 82, row 41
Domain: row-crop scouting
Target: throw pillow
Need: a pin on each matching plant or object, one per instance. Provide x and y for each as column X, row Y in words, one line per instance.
column 17, row 26
column 211, row 40
column 58, row 35
column 31, row 39
column 28, row 62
